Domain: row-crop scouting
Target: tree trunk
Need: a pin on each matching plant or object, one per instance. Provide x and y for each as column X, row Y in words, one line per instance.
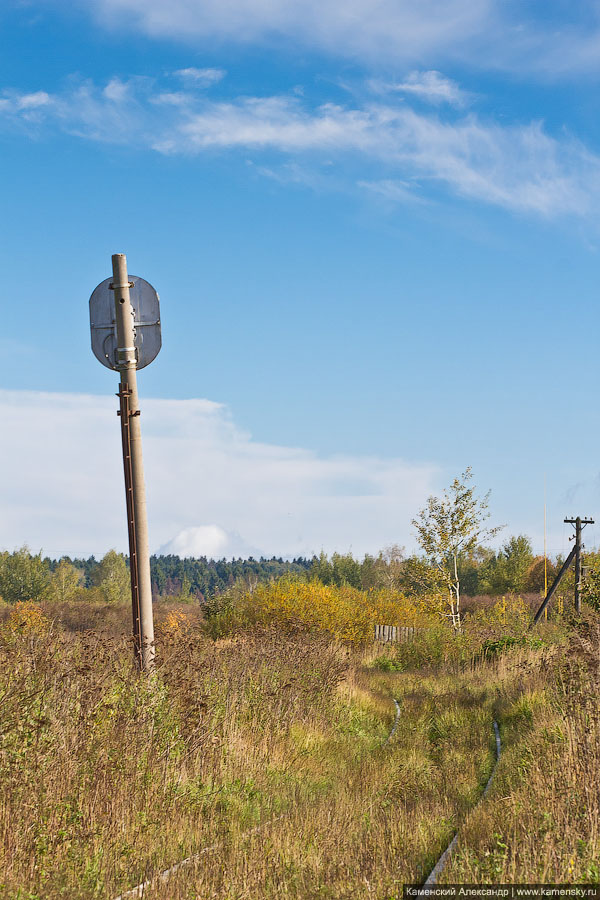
column 456, row 604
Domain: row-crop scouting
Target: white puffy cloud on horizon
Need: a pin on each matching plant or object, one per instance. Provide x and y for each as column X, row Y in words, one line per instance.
column 211, row 488
column 210, row 541
column 519, row 167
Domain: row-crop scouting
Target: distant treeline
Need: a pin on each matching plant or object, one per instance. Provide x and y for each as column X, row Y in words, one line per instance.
column 512, row 569
column 29, row 576
column 205, row 578
column 201, row 578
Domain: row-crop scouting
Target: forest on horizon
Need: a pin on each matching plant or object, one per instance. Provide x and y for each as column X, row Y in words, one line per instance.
column 514, row 568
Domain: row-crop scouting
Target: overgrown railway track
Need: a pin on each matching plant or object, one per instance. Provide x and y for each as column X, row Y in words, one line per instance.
column 164, row 877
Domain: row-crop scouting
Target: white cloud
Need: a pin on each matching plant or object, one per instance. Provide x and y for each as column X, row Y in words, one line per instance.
column 210, row 541
column 172, row 98
column 397, row 192
column 116, row 90
column 25, row 107
column 517, row 167
column 32, row 101
column 397, row 29
column 431, row 87
column 552, row 38
column 277, row 122
column 209, row 485
column 200, row 77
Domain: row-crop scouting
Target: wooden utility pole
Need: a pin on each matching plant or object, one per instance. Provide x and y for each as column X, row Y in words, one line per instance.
column 579, row 524
column 575, row 554
column 555, row 584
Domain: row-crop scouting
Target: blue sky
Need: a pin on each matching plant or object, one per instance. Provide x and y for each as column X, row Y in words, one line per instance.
column 374, row 229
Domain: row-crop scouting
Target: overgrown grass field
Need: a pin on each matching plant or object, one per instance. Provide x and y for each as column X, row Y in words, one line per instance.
column 260, row 744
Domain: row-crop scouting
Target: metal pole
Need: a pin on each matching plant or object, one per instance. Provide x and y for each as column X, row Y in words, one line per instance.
column 133, row 558
column 139, row 555
column 578, row 564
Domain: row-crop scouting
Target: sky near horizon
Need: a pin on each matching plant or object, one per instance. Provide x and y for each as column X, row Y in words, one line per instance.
column 374, row 226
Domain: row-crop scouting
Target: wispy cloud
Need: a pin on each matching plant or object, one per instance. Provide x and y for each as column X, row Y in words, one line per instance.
column 431, row 87
column 517, row 167
column 400, row 29
column 200, row 77
column 277, row 122
column 65, row 491
column 486, row 33
column 25, row 106
column 396, row 192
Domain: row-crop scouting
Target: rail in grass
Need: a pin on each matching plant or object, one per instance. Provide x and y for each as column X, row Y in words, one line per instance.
column 441, row 863
column 163, row 877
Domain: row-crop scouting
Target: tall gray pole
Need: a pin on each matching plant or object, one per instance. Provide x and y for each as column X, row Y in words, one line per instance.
column 136, row 492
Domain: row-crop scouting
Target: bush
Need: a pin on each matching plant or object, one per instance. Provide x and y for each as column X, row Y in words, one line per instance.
column 26, row 617
column 344, row 612
column 486, row 632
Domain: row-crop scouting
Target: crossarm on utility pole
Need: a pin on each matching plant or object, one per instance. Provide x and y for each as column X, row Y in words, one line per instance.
column 555, row 584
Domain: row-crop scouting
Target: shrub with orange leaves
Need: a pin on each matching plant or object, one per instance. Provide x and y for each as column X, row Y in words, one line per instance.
column 26, row 617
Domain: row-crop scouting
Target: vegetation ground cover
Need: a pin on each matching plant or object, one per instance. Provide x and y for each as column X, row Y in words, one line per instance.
column 107, row 778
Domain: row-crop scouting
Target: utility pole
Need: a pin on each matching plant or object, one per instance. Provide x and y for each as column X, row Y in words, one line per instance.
column 125, row 325
column 579, row 524
column 575, row 554
column 139, row 552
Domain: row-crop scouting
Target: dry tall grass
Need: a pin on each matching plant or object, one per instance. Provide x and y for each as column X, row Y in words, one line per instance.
column 107, row 779
column 541, row 821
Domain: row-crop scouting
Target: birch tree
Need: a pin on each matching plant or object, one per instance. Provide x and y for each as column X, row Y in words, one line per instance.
column 452, row 525
column 112, row 577
column 65, row 581
column 23, row 576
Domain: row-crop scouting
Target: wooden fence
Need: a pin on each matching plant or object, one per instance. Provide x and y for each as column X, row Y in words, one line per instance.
column 395, row 633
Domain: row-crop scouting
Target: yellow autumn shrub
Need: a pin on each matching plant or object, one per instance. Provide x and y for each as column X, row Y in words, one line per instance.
column 175, row 622
column 508, row 615
column 510, row 611
column 26, row 617
column 344, row 612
